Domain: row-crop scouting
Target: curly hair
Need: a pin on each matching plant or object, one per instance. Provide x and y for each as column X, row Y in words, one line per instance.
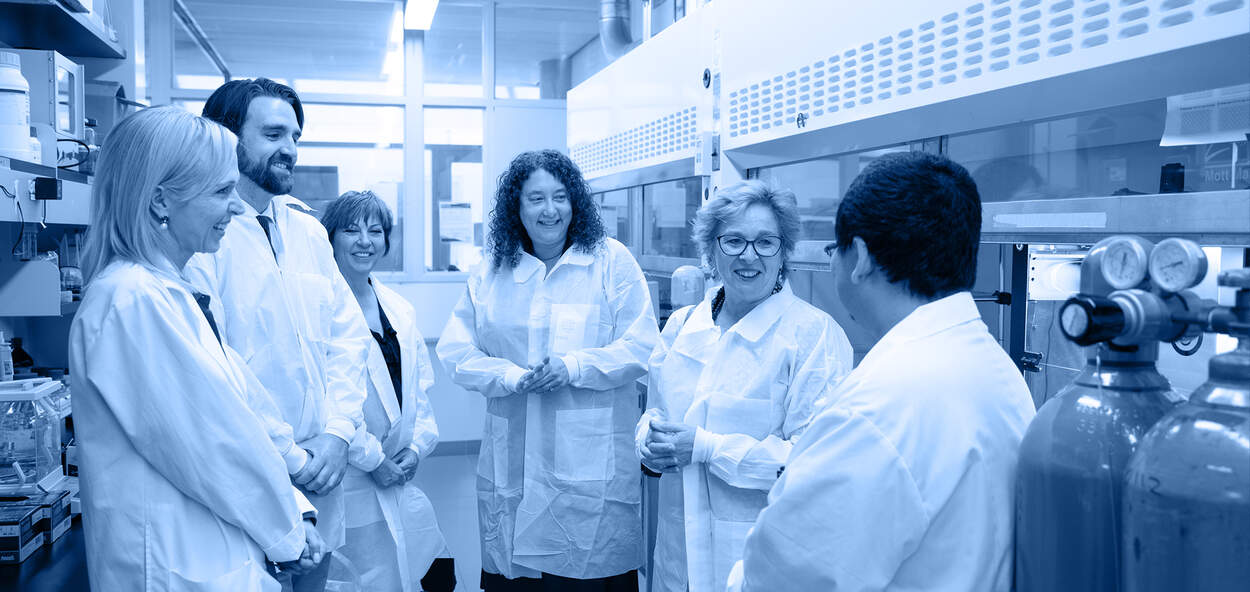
column 508, row 236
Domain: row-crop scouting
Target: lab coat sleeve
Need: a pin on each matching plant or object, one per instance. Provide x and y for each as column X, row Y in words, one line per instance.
column 347, row 352
column 261, row 403
column 468, row 365
column 843, row 517
column 658, row 355
column 424, row 429
column 743, row 461
column 635, row 332
column 191, row 425
column 365, row 451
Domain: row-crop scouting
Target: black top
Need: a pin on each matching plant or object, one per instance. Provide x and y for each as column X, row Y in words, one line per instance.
column 388, row 341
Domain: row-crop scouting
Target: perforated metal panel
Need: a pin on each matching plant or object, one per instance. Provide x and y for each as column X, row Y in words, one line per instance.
column 672, row 134
column 982, row 40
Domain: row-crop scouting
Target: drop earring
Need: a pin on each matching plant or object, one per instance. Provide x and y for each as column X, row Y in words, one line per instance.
column 164, row 220
column 781, row 275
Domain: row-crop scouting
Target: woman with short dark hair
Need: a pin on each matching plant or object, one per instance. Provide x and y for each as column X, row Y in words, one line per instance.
column 393, row 537
column 553, row 331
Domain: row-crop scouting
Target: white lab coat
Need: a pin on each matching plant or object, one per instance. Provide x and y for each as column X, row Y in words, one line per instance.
column 750, row 390
column 559, row 489
column 296, row 323
column 392, row 532
column 906, row 481
column 182, row 487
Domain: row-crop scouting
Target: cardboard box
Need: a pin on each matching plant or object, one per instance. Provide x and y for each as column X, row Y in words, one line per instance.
column 57, row 531
column 18, row 537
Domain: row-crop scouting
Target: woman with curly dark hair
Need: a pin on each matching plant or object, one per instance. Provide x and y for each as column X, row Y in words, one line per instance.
column 553, row 332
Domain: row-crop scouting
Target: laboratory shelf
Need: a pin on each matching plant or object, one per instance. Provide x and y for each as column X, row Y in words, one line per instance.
column 1212, row 218
column 47, row 24
column 74, row 207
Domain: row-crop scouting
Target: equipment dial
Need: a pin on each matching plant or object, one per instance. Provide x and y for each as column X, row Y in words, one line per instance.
column 1086, row 319
column 1124, row 264
column 1177, row 264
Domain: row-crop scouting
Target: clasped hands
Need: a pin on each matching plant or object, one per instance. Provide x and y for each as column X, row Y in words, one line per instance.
column 668, row 446
column 394, row 471
column 314, row 551
column 548, row 376
column 327, row 463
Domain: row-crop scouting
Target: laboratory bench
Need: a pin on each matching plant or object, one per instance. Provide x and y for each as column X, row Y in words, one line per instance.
column 61, row 567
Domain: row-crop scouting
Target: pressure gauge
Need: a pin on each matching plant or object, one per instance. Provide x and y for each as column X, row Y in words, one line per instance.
column 1124, row 264
column 1177, row 264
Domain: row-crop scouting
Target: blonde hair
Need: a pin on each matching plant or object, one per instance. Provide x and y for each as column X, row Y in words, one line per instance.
column 731, row 201
column 163, row 148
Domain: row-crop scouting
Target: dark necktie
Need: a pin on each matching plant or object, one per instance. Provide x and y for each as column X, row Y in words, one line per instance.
column 203, row 300
column 265, row 221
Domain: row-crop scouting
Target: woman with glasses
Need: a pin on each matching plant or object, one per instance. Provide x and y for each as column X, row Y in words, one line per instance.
column 733, row 381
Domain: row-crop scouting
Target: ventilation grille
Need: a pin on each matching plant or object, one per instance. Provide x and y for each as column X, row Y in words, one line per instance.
column 987, row 37
column 665, row 136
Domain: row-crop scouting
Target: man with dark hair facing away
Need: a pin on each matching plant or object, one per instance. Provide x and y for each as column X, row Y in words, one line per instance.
column 905, row 480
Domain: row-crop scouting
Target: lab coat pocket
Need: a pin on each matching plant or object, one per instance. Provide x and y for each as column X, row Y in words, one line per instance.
column 249, row 577
column 573, row 327
column 492, row 462
column 583, row 443
column 311, row 295
column 727, row 414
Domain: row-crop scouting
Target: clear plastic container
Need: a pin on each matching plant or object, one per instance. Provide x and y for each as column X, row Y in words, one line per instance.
column 30, row 436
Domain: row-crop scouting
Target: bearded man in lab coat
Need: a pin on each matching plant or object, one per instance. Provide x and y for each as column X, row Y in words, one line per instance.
column 284, row 306
column 905, row 481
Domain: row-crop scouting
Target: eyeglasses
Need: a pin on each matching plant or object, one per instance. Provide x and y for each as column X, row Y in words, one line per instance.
column 734, row 245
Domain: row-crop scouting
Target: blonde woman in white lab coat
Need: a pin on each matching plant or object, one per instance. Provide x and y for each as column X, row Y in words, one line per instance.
column 183, row 487
column 393, row 538
column 735, row 379
column 554, row 329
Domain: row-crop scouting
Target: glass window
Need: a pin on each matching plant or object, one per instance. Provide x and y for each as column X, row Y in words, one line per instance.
column 667, row 210
column 818, row 186
column 334, row 46
column 614, row 209
column 454, row 184
column 350, row 148
column 1182, row 144
column 533, row 47
column 453, row 52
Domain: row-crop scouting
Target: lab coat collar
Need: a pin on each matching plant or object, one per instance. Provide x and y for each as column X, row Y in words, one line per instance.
column 754, row 325
column 932, row 318
column 528, row 264
column 765, row 314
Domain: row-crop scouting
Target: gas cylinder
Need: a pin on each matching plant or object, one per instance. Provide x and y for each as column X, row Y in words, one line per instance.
column 1187, row 492
column 1073, row 456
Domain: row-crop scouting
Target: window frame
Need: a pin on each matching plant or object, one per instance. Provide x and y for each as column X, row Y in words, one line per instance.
column 163, row 90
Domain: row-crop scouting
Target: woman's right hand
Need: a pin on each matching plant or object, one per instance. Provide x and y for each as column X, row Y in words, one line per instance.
column 387, row 474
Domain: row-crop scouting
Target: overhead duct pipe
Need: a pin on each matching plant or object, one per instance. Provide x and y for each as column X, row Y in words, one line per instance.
column 614, row 33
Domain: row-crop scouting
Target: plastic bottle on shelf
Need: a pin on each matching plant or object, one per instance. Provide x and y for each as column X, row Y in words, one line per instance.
column 14, row 108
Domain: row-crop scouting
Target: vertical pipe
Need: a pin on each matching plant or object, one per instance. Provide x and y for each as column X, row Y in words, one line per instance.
column 1019, row 303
